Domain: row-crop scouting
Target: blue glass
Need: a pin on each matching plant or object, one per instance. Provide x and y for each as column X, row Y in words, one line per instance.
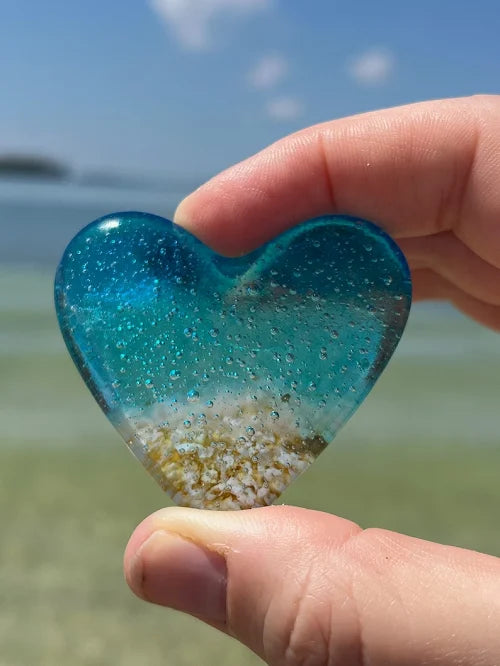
column 228, row 377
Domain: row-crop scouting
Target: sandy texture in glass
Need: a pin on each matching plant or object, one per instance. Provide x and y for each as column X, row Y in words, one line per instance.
column 232, row 456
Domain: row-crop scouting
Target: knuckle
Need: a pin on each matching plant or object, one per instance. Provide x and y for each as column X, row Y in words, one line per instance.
column 307, row 635
column 318, row 623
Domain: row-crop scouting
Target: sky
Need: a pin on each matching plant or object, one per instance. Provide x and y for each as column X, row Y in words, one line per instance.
column 185, row 88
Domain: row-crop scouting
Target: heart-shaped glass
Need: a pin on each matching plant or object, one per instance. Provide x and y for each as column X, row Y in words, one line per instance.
column 228, row 377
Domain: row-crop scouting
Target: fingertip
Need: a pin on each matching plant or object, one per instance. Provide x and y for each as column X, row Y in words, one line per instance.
column 145, row 528
column 133, row 568
column 182, row 215
column 198, row 213
column 202, row 210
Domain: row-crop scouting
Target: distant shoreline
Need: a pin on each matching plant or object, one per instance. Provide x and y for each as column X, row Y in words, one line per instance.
column 27, row 168
column 32, row 166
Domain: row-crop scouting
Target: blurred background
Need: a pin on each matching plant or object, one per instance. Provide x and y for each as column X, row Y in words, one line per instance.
column 110, row 106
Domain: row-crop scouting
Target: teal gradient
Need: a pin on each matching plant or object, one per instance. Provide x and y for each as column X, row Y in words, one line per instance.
column 152, row 317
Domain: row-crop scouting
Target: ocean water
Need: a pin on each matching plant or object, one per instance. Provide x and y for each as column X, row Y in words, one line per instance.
column 441, row 386
column 37, row 220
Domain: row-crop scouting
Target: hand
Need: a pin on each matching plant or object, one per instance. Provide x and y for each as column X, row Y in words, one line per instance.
column 304, row 587
column 429, row 174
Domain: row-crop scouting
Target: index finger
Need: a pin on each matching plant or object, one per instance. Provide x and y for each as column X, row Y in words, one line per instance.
column 415, row 170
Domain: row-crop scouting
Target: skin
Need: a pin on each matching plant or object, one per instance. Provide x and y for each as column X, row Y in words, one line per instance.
column 302, row 587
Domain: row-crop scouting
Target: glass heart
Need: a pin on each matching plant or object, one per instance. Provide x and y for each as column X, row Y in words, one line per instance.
column 228, row 377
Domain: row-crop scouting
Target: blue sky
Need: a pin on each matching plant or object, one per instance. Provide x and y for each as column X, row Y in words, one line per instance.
column 187, row 87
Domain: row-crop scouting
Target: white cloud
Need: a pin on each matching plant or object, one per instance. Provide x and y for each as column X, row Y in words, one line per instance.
column 285, row 108
column 373, row 67
column 269, row 71
column 192, row 20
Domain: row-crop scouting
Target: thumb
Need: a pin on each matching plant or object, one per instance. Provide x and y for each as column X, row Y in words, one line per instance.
column 299, row 586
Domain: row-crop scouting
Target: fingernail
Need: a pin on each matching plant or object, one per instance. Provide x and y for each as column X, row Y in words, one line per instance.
column 174, row 572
